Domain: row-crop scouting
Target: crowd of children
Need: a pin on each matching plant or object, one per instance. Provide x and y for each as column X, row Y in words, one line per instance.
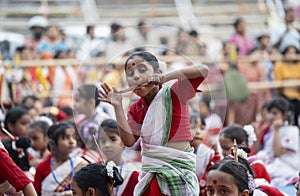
column 177, row 154
column 160, row 144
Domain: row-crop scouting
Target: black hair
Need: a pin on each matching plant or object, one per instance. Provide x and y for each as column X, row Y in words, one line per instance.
column 235, row 132
column 115, row 27
column 58, row 129
column 33, row 97
column 40, row 125
column 238, row 21
column 279, row 103
column 141, row 23
column 48, row 102
column 67, row 110
column 94, row 175
column 58, row 53
column 194, row 118
column 206, row 100
column 288, row 9
column 237, row 170
column 265, row 105
column 147, row 56
column 110, row 125
column 284, row 51
column 27, row 107
column 193, row 33
column 89, row 91
column 13, row 115
column 88, row 28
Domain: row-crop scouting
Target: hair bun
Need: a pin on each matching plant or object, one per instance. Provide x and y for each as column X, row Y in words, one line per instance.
column 117, row 177
column 114, row 174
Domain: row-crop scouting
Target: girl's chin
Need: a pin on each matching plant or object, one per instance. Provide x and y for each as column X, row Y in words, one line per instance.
column 142, row 91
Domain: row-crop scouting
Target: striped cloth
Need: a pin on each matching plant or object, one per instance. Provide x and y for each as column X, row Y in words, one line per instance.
column 175, row 170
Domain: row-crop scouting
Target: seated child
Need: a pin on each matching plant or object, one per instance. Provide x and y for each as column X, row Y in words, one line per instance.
column 205, row 156
column 95, row 180
column 37, row 132
column 16, row 122
column 228, row 177
column 280, row 150
column 53, row 176
column 112, row 146
column 256, row 167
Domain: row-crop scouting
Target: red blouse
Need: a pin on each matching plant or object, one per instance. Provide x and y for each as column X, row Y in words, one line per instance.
column 181, row 91
column 11, row 172
column 42, row 171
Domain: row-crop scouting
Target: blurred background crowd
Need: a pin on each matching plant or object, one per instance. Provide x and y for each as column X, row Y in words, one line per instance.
column 50, row 49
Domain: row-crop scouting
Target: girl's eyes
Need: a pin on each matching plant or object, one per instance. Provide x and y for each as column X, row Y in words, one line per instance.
column 226, row 148
column 210, row 191
column 142, row 70
column 224, row 191
column 66, row 137
column 24, row 122
column 111, row 140
column 129, row 73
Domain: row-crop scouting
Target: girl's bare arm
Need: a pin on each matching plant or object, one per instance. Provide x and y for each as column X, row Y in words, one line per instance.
column 115, row 99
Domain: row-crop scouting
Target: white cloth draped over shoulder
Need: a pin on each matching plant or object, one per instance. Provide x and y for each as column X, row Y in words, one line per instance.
column 173, row 169
column 63, row 175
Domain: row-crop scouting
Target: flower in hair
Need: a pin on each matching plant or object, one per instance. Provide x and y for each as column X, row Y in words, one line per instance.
column 241, row 153
column 110, row 169
column 251, row 134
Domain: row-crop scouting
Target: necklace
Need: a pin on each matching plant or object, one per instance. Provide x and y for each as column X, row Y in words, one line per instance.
column 53, row 174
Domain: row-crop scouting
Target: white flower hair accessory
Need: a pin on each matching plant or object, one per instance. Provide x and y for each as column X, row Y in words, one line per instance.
column 241, row 153
column 110, row 169
column 251, row 134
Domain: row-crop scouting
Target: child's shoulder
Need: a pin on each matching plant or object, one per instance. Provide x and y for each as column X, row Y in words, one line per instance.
column 45, row 165
column 290, row 128
column 138, row 103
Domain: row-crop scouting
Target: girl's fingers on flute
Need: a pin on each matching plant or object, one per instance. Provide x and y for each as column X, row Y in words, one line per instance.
column 103, row 99
column 102, row 94
column 106, row 88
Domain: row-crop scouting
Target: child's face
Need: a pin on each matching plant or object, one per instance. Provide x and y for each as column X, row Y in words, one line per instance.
column 137, row 72
column 80, row 104
column 66, row 143
column 291, row 52
column 20, row 127
column 76, row 189
column 265, row 114
column 226, row 145
column 38, row 139
column 111, row 145
column 33, row 114
column 221, row 183
column 275, row 114
column 203, row 109
column 198, row 138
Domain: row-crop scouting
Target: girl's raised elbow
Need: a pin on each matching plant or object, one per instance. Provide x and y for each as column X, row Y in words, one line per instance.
column 128, row 143
column 204, row 70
